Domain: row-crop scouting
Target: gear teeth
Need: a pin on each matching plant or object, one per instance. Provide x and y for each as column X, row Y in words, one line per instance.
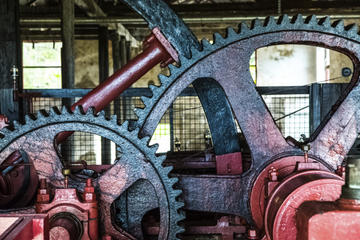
column 153, row 89
column 179, row 204
column 101, row 114
column 167, row 171
column 297, row 20
column 139, row 112
column 125, row 125
column 135, row 131
column 114, row 119
column 311, row 20
column 161, row 159
column 173, row 69
column 243, row 28
column 177, row 193
column 173, row 181
column 41, row 114
column 78, row 110
column 338, row 25
column 146, row 100
column 182, row 59
column 206, row 44
column 283, row 20
column 154, row 147
column 352, row 29
column 146, row 140
column 54, row 111
column 91, row 111
column 230, row 32
column 163, row 79
column 180, row 229
column 5, row 131
column 29, row 118
column 218, row 39
column 65, row 110
column 269, row 21
column 256, row 23
column 195, row 52
column 325, row 21
column 182, row 213
column 16, row 124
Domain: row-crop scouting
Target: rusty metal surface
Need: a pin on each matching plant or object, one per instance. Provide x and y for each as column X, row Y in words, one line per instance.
column 227, row 227
column 24, row 226
column 137, row 163
column 312, row 185
column 79, row 218
column 332, row 220
column 226, row 62
column 316, row 220
column 260, row 191
column 18, row 180
column 320, row 225
column 229, row 164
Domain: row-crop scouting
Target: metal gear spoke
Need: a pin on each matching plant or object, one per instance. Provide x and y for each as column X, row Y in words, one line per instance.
column 137, row 162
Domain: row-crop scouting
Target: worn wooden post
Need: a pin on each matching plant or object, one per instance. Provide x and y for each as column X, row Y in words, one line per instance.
column 10, row 55
column 67, row 62
column 103, row 75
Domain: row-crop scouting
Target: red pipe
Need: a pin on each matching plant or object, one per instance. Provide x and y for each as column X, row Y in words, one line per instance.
column 156, row 50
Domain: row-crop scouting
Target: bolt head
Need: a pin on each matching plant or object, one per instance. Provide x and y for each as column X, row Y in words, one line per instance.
column 252, row 234
column 66, row 172
column 305, row 148
column 89, row 197
column 273, row 174
column 43, row 198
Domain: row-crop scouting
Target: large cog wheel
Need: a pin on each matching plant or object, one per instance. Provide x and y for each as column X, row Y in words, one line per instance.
column 226, row 64
column 137, row 163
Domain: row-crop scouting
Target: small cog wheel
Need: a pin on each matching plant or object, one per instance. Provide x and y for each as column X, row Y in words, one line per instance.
column 136, row 165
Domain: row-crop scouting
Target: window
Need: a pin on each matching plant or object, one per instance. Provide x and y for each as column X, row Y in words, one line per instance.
column 42, row 65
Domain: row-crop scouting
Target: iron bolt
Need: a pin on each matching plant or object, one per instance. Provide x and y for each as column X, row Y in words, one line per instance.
column 341, row 171
column 305, row 147
column 43, row 195
column 252, row 234
column 273, row 174
column 66, row 172
column 89, row 192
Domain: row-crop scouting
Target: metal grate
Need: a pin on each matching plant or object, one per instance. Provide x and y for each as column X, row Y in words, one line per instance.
column 44, row 104
column 183, row 127
column 291, row 113
column 190, row 124
column 81, row 145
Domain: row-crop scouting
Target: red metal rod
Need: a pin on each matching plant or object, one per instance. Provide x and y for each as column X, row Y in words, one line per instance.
column 156, row 50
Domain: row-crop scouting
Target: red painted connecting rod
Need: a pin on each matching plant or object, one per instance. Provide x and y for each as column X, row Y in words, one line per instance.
column 156, row 50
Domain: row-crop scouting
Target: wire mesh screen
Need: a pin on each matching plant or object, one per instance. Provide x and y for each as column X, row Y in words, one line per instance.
column 163, row 134
column 44, row 104
column 81, row 146
column 190, row 124
column 291, row 114
column 86, row 146
column 183, row 127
